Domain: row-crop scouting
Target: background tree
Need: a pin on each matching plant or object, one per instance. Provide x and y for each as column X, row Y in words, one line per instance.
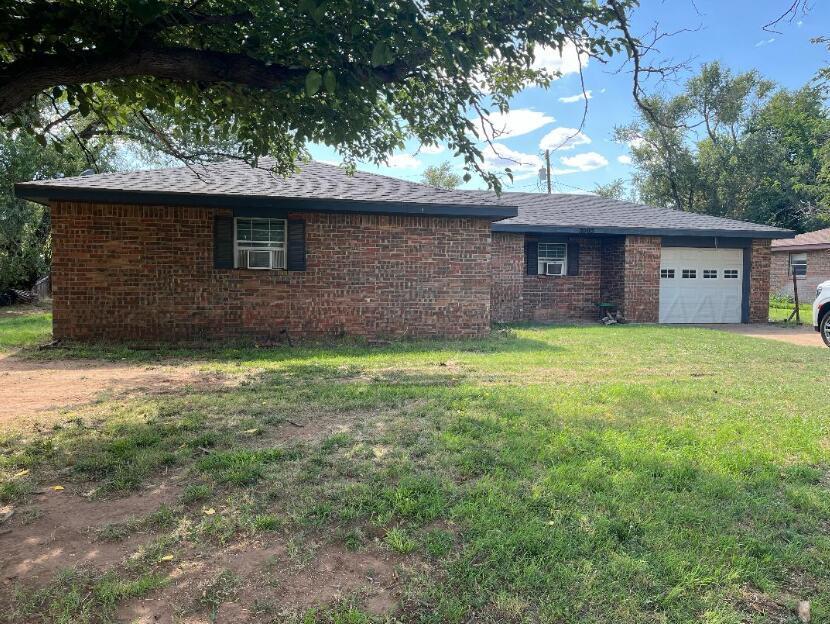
column 731, row 145
column 616, row 189
column 441, row 176
column 25, row 251
column 268, row 76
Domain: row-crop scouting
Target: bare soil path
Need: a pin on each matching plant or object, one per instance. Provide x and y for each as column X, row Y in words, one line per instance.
column 803, row 335
column 30, row 389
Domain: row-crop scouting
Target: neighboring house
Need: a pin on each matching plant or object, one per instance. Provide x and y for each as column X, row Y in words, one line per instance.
column 226, row 251
column 806, row 255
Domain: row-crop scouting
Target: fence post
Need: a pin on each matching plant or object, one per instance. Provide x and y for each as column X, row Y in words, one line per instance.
column 795, row 296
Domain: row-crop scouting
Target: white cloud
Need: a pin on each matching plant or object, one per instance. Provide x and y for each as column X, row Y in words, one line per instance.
column 564, row 139
column 764, row 42
column 603, row 90
column 432, row 149
column 568, row 62
column 589, row 161
column 637, row 142
column 403, row 161
column 625, row 159
column 513, row 123
column 570, row 99
column 800, row 23
column 497, row 157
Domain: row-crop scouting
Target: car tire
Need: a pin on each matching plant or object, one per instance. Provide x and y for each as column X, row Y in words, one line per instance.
column 824, row 328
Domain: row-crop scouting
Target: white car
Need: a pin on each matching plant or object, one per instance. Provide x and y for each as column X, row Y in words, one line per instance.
column 821, row 311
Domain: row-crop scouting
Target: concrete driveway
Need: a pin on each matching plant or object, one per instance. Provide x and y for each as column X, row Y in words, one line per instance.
column 803, row 335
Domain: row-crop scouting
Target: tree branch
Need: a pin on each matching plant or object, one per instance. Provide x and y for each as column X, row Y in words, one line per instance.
column 28, row 76
column 635, row 54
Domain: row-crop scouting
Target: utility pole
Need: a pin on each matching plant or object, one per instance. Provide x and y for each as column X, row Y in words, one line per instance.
column 547, row 168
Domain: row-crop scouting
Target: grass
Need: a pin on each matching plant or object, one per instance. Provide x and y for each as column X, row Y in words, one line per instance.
column 23, row 326
column 546, row 474
column 780, row 309
column 80, row 596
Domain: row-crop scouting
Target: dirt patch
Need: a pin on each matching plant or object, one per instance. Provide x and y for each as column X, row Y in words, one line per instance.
column 271, row 584
column 58, row 530
column 29, row 390
column 754, row 601
column 803, row 335
column 23, row 309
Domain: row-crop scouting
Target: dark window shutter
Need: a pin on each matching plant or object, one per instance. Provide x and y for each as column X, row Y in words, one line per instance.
column 296, row 246
column 573, row 258
column 532, row 257
column 222, row 242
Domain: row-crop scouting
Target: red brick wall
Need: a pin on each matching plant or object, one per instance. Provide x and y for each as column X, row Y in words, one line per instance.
column 508, row 270
column 517, row 296
column 612, row 288
column 818, row 271
column 567, row 297
column 759, row 279
column 146, row 273
column 642, row 279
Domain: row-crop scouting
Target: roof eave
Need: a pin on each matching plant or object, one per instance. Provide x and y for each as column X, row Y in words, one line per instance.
column 804, row 247
column 44, row 194
column 642, row 231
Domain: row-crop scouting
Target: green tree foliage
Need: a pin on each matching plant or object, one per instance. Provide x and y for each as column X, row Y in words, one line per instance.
column 616, row 189
column 441, row 176
column 269, row 76
column 25, row 251
column 734, row 146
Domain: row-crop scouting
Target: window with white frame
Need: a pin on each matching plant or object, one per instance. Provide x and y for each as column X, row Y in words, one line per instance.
column 798, row 264
column 260, row 243
column 730, row 273
column 689, row 274
column 667, row 273
column 710, row 274
column 553, row 259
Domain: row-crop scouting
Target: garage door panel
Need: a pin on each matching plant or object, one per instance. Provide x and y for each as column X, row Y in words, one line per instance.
column 701, row 285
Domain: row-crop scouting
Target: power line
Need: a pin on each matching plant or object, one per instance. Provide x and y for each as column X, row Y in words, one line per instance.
column 571, row 186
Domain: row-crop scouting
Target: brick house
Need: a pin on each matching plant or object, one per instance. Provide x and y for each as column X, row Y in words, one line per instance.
column 806, row 255
column 227, row 251
column 654, row 264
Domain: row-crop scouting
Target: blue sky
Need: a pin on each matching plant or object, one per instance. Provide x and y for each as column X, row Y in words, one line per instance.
column 730, row 31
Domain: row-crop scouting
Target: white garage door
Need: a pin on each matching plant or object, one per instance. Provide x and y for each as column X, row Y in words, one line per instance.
column 701, row 285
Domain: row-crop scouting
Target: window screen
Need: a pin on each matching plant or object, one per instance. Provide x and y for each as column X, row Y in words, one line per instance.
column 798, row 264
column 553, row 258
column 260, row 243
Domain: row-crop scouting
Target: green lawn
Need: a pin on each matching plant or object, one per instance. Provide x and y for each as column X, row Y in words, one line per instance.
column 562, row 474
column 22, row 326
column 779, row 312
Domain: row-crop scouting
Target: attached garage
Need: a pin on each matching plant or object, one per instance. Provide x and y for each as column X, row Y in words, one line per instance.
column 701, row 285
column 650, row 264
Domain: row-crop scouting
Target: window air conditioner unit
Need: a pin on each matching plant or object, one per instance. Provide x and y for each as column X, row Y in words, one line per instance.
column 554, row 268
column 259, row 258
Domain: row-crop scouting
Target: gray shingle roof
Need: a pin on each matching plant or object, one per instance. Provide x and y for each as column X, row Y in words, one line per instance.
column 820, row 239
column 572, row 213
column 319, row 186
column 237, row 182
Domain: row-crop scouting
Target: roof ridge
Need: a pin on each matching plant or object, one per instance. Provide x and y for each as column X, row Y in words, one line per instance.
column 239, row 181
column 387, row 177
